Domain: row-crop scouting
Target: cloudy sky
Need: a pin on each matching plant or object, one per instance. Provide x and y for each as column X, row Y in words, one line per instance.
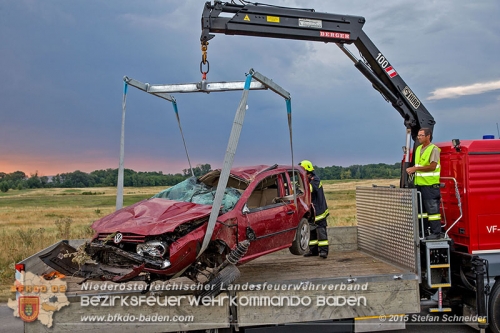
column 62, row 65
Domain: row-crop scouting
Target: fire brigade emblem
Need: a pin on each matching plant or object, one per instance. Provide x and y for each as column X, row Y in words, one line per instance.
column 29, row 307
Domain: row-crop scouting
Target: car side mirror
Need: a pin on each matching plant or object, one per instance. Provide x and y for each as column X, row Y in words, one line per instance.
column 245, row 209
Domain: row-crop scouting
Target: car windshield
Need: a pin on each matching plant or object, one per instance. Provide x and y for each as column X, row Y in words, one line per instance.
column 192, row 190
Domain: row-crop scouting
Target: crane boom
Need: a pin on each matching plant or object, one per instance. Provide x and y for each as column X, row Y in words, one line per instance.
column 306, row 24
column 262, row 20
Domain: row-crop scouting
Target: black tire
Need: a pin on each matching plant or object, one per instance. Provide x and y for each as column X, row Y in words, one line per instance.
column 225, row 277
column 494, row 305
column 300, row 245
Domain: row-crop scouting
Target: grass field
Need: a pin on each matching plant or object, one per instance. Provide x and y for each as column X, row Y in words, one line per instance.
column 31, row 220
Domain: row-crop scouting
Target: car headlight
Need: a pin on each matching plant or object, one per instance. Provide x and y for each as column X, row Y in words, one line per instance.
column 152, row 248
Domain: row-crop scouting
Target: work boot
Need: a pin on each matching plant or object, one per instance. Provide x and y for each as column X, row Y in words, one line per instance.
column 433, row 236
column 435, row 227
column 310, row 254
column 323, row 255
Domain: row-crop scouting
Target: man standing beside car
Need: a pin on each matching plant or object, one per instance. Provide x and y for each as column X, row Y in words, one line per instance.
column 318, row 243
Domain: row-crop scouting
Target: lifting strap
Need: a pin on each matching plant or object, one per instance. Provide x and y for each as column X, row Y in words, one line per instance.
column 174, row 104
column 119, row 194
column 289, row 115
column 227, row 164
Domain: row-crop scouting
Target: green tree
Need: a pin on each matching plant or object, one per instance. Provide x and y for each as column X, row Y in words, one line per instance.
column 34, row 181
column 56, row 180
column 17, row 175
column 4, row 187
column 44, row 180
column 345, row 174
column 198, row 170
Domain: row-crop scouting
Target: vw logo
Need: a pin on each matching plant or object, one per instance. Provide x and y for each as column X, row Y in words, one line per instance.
column 118, row 238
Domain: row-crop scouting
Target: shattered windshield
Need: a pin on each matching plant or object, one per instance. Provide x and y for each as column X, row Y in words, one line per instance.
column 192, row 190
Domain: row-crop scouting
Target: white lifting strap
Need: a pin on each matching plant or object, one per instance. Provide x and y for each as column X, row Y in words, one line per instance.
column 119, row 194
column 228, row 163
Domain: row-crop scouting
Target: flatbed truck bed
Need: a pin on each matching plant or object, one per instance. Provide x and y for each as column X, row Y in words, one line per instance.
column 276, row 289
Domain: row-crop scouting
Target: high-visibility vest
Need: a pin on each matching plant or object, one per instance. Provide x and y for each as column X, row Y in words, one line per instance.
column 426, row 178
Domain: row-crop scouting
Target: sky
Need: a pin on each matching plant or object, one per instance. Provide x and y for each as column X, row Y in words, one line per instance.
column 62, row 65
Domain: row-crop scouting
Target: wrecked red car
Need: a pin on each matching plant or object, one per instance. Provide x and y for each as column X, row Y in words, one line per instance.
column 264, row 209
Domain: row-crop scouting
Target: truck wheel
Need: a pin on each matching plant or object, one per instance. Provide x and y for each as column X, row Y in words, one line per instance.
column 225, row 277
column 300, row 245
column 494, row 313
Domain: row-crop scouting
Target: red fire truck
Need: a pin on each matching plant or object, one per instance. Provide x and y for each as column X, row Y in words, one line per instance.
column 464, row 266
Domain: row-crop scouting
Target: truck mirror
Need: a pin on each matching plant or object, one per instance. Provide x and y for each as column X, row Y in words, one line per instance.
column 456, row 144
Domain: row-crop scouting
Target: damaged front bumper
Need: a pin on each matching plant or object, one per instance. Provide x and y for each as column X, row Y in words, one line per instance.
column 62, row 259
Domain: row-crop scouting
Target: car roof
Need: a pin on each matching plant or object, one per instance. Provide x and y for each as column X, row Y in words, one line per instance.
column 250, row 172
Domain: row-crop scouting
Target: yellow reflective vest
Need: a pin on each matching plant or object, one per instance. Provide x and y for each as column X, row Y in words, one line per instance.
column 426, row 178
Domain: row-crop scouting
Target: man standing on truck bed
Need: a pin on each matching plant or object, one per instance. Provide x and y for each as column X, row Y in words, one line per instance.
column 318, row 242
column 427, row 172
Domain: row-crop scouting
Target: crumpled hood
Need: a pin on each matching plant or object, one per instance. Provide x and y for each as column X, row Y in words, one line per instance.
column 151, row 217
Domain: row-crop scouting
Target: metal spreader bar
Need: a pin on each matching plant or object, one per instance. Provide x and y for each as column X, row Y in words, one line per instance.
column 145, row 87
column 164, row 90
column 268, row 83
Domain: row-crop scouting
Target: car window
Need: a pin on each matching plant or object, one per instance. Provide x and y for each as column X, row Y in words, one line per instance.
column 192, row 190
column 265, row 193
column 298, row 183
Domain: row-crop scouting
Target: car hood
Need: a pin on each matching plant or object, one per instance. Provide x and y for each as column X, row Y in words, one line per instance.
column 151, row 217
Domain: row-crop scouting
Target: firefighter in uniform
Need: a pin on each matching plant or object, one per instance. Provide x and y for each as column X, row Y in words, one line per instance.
column 318, row 243
column 426, row 178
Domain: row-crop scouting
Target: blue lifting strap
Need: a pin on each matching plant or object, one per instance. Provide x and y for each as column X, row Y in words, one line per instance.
column 174, row 104
column 288, row 102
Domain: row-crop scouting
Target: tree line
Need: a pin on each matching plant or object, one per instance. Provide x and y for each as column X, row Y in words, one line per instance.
column 368, row 171
column 99, row 178
column 19, row 180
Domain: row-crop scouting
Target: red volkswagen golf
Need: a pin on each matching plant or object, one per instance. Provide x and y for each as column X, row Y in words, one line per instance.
column 264, row 209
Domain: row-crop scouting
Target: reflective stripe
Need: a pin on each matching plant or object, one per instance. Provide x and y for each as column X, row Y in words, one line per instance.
column 434, row 217
column 424, row 216
column 311, row 187
column 322, row 216
column 437, row 165
column 323, row 243
column 428, row 174
column 313, row 242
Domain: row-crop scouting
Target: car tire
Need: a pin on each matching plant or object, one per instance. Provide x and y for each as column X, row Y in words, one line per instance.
column 225, row 277
column 494, row 313
column 300, row 245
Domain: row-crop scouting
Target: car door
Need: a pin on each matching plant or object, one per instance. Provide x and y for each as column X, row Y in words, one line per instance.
column 268, row 222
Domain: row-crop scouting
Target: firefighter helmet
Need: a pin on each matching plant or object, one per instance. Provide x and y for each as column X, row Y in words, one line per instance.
column 307, row 165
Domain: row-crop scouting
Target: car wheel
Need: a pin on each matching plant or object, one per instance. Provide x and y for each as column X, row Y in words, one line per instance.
column 225, row 277
column 300, row 245
column 494, row 315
